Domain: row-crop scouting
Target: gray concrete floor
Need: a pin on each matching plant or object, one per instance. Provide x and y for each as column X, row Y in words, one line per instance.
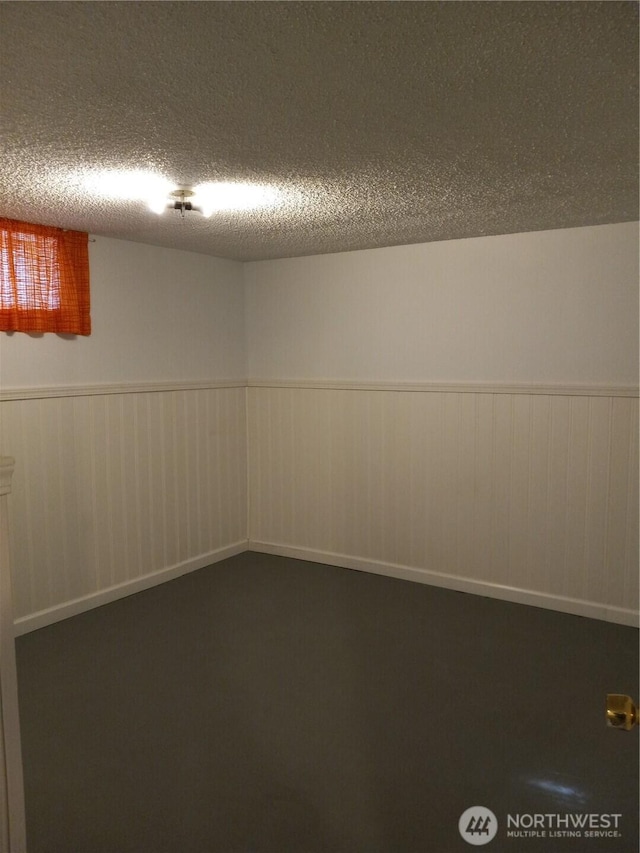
column 268, row 704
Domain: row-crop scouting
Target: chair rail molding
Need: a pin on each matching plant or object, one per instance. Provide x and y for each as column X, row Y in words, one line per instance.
column 12, row 814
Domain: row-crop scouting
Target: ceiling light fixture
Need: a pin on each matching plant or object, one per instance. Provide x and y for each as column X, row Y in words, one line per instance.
column 161, row 194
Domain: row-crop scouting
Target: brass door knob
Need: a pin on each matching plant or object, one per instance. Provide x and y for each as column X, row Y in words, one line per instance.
column 622, row 712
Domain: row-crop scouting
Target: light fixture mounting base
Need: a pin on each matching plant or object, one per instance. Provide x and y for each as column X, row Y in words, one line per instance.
column 181, row 195
column 181, row 200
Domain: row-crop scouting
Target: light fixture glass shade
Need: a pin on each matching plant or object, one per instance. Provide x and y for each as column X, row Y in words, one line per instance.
column 132, row 185
column 212, row 197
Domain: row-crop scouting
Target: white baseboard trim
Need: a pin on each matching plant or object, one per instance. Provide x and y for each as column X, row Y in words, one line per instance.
column 557, row 389
column 25, row 624
column 577, row 607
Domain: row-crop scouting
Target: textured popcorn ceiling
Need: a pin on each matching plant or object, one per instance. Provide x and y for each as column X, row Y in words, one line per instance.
column 381, row 123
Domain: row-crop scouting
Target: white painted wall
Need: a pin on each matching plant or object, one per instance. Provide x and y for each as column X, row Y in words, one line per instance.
column 544, row 307
column 113, row 492
column 505, row 489
column 157, row 315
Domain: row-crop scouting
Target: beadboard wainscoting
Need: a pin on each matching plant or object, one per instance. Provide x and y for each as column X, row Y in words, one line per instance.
column 526, row 494
column 117, row 488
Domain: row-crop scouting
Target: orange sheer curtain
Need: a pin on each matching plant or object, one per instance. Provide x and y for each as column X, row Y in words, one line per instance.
column 44, row 279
